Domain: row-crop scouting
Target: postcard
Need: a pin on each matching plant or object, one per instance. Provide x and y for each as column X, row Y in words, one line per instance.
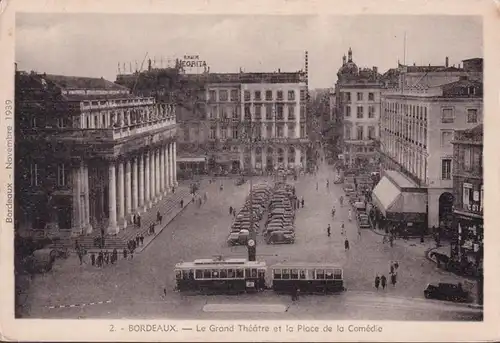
column 249, row 171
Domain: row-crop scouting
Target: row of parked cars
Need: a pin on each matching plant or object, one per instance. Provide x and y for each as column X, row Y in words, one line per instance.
column 280, row 227
column 256, row 204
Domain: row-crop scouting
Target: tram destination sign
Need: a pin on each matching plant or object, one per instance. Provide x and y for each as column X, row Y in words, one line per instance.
column 193, row 61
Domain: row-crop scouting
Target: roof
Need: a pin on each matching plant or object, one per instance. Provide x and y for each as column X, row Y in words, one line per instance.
column 78, row 82
column 277, row 77
column 401, row 180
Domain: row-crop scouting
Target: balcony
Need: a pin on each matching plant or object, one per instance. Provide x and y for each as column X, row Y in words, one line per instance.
column 111, row 105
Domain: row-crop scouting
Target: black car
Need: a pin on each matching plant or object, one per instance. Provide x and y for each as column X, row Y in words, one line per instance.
column 447, row 291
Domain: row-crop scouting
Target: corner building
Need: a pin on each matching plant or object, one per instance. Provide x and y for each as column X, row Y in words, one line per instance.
column 417, row 127
column 269, row 108
column 89, row 155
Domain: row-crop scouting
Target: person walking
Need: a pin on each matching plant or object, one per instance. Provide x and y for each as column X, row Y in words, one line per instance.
column 328, row 230
column 341, row 201
column 377, row 282
column 302, row 201
column 138, row 220
column 327, row 184
column 346, row 244
column 342, row 229
column 137, row 240
column 158, row 217
column 316, row 186
column 393, row 279
column 92, row 259
column 100, row 259
column 114, row 256
column 182, row 203
column 125, row 252
column 141, row 238
column 383, row 281
column 230, row 210
column 349, row 215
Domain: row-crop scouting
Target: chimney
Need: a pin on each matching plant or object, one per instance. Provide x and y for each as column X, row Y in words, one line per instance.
column 149, row 64
column 375, row 70
column 447, row 62
column 279, row 70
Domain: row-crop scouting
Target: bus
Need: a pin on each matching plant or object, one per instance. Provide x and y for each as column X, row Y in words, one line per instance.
column 235, row 275
column 307, row 277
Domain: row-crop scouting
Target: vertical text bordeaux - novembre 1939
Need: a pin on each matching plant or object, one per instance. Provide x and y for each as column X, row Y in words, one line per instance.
column 9, row 161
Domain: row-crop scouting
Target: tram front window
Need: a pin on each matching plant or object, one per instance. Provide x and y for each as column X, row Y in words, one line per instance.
column 178, row 274
column 254, row 273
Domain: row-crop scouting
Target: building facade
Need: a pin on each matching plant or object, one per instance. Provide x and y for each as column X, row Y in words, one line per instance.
column 257, row 121
column 89, row 155
column 417, row 127
column 468, row 190
column 358, row 104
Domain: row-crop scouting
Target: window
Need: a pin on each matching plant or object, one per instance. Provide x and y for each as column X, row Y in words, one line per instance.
column 239, row 273
column 269, row 95
column 371, row 111
column 348, row 96
column 34, row 174
column 446, row 169
column 359, row 113
column 467, row 194
column 212, row 132
column 234, row 95
column 186, row 134
column 207, row 274
column 468, row 159
column 359, row 133
column 329, row 274
column 61, row 123
column 302, row 274
column 302, row 131
column 223, row 96
column 371, row 132
column 269, row 112
column 279, row 114
column 348, row 111
column 291, row 95
column 360, row 96
column 286, row 274
column 198, row 274
column 62, row 175
column 248, row 114
column 279, row 95
column 277, row 274
column 446, row 137
column 231, row 274
column 347, row 132
column 337, row 274
column 471, row 115
column 320, row 274
column 235, row 131
column 371, row 96
column 291, row 112
column 258, row 112
column 280, row 130
column 212, row 95
column 257, row 96
column 302, row 94
column 302, row 112
column 294, row 274
column 247, row 95
column 447, row 116
column 269, row 131
column 223, row 132
column 223, row 273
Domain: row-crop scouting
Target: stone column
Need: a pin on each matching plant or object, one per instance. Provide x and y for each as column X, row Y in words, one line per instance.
column 88, row 225
column 147, row 178
column 128, row 189
column 264, row 158
column 252, row 159
column 152, row 198
column 162, row 171
column 242, row 158
column 121, row 195
column 174, row 163
column 158, row 174
column 170, row 169
column 297, row 157
column 135, row 188
column 140, row 183
column 285, row 157
column 165, row 158
column 112, row 225
column 76, row 217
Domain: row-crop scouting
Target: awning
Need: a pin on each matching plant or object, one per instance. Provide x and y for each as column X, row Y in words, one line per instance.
column 385, row 194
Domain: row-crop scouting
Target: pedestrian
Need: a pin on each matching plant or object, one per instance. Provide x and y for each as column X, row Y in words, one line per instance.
column 383, row 281
column 316, row 186
column 80, row 256
column 137, row 239
column 302, row 202
column 173, row 189
column 142, row 239
column 393, row 279
column 125, row 253
column 328, row 229
column 341, row 201
column 182, row 203
column 234, row 214
column 396, row 265
column 342, row 229
column 205, row 197
column 230, row 210
column 158, row 217
column 114, row 256
column 349, row 215
column 153, row 228
column 377, row 282
column 132, row 254
column 134, row 219
column 100, row 259
column 346, row 244
column 106, row 257
column 92, row 259
column 392, row 268
column 327, row 183
column 138, row 220
column 164, row 292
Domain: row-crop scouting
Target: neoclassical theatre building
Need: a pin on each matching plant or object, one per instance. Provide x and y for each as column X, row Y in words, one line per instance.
column 89, row 155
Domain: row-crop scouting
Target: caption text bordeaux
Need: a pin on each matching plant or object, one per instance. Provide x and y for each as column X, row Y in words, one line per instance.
column 9, row 161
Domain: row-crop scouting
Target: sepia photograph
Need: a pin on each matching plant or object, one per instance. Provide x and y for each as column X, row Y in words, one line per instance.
column 263, row 172
column 254, row 167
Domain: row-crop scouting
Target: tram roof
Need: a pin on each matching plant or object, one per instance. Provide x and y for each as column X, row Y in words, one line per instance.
column 206, row 263
column 305, row 265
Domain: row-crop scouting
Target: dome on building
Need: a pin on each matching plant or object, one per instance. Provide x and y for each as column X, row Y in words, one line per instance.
column 349, row 67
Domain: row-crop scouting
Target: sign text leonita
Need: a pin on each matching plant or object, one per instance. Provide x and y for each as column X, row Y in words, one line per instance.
column 193, row 61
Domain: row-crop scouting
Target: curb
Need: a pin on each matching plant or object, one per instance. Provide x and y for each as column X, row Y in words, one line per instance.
column 164, row 227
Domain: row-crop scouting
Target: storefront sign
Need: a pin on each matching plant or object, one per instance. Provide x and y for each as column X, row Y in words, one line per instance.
column 476, row 195
column 193, row 61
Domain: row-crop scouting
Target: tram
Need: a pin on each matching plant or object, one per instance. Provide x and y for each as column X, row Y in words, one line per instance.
column 221, row 275
column 308, row 277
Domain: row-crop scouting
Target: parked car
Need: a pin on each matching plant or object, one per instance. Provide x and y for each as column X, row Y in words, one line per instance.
column 238, row 238
column 281, row 237
column 447, row 291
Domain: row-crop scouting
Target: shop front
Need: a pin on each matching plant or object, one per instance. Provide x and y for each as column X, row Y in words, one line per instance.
column 188, row 167
column 400, row 206
column 467, row 245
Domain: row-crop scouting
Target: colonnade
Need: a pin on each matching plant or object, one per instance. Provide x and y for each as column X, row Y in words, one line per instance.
column 137, row 182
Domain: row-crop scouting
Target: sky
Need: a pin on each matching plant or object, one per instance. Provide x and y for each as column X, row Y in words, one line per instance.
column 94, row 44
